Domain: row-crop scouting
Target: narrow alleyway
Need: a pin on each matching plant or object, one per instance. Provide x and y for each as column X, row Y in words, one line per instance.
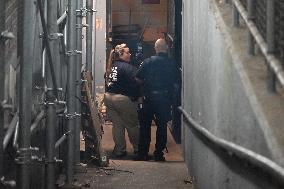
column 128, row 174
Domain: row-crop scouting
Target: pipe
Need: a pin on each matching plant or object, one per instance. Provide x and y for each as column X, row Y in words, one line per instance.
column 79, row 17
column 51, row 121
column 89, row 38
column 46, row 40
column 16, row 135
column 37, row 120
column 256, row 160
column 7, row 183
column 61, row 140
column 61, row 18
column 2, row 81
column 50, row 146
column 53, row 30
column 60, row 111
column 10, row 131
column 25, row 105
column 71, row 92
column 273, row 62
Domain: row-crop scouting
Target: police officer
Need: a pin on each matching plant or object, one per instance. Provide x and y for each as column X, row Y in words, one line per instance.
column 120, row 99
column 158, row 75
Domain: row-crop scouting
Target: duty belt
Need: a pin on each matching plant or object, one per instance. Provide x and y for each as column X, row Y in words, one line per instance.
column 159, row 92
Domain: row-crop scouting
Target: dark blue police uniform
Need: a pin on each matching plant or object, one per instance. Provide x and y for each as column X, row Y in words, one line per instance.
column 121, row 93
column 121, row 80
column 159, row 74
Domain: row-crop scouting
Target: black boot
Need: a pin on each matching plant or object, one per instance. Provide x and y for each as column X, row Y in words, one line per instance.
column 159, row 156
column 140, row 157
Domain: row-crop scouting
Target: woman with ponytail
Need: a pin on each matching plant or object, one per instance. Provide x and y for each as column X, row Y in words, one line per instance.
column 121, row 96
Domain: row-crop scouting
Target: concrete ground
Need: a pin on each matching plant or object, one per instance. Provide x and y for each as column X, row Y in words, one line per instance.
column 128, row 174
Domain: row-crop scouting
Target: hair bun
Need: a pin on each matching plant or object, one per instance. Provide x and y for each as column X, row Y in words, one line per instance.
column 120, row 48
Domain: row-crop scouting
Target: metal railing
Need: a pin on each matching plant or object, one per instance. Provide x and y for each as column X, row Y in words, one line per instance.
column 270, row 171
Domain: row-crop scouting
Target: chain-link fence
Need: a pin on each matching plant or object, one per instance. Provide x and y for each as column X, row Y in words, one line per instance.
column 279, row 27
column 264, row 18
column 260, row 14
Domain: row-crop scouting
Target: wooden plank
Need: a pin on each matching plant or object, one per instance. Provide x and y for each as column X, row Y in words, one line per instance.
column 96, row 121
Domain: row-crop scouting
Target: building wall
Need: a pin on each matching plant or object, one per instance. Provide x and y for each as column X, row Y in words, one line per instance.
column 217, row 93
column 99, row 44
column 157, row 14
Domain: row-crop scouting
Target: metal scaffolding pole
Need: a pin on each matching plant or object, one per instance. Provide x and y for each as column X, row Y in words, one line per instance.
column 25, row 105
column 2, row 80
column 71, row 88
column 46, row 39
column 50, row 142
column 54, row 36
column 79, row 27
column 51, row 121
column 89, row 38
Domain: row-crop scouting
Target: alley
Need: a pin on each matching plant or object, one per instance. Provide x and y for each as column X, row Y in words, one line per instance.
column 125, row 173
column 224, row 99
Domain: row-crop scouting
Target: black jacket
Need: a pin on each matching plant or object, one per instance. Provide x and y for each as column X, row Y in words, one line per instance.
column 121, row 79
column 159, row 73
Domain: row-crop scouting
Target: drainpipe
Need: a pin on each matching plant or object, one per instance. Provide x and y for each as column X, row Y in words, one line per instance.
column 25, row 105
column 270, row 38
column 2, row 81
column 79, row 27
column 71, row 88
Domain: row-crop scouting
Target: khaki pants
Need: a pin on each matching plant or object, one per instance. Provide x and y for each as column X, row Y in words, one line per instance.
column 123, row 113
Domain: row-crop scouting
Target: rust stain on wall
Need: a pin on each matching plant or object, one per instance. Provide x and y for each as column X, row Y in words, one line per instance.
column 99, row 23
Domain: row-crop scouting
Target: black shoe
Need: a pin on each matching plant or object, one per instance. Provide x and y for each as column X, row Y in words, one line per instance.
column 120, row 155
column 159, row 158
column 141, row 158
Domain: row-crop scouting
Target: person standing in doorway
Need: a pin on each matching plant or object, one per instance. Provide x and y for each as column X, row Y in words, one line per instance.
column 121, row 97
column 158, row 75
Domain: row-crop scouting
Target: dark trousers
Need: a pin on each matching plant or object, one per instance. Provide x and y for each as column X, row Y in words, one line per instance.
column 157, row 108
